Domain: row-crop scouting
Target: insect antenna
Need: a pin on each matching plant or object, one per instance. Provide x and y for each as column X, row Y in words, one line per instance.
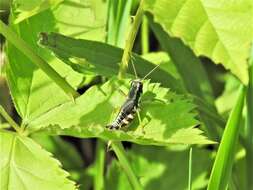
column 151, row 71
column 131, row 60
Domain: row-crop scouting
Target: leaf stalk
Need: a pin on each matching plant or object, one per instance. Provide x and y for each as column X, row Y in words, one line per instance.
column 121, row 155
column 8, row 118
column 130, row 41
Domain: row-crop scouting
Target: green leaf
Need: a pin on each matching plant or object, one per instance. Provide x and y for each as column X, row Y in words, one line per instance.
column 163, row 168
column 188, row 65
column 85, row 19
column 194, row 77
column 211, row 28
column 101, row 58
column 91, row 112
column 164, row 61
column 25, row 9
column 24, row 165
column 31, row 89
column 222, row 167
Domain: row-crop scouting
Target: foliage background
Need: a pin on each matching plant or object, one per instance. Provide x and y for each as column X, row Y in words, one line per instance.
column 203, row 48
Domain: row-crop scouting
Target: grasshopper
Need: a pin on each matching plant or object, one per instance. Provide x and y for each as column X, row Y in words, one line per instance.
column 131, row 104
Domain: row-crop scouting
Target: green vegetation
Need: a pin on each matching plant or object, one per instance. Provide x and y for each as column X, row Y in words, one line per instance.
column 68, row 64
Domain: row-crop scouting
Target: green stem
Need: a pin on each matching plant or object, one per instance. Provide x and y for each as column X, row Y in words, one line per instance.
column 43, row 65
column 9, row 119
column 130, row 41
column 99, row 165
column 223, row 163
column 120, row 153
column 144, row 36
column 190, row 170
column 249, row 128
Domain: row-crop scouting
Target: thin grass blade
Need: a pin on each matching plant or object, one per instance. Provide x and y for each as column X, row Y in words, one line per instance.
column 222, row 167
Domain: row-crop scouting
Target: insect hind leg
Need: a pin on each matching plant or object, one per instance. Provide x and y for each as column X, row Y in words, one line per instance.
column 139, row 119
column 112, row 127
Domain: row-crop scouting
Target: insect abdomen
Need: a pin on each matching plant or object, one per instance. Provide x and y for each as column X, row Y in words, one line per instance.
column 121, row 120
column 128, row 109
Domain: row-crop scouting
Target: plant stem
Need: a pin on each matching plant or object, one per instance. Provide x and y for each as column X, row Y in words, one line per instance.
column 130, row 41
column 120, row 153
column 99, row 165
column 9, row 119
column 223, row 163
column 190, row 170
column 144, row 35
column 43, row 65
column 249, row 128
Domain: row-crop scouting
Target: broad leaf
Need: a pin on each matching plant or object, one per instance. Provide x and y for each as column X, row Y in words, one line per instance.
column 193, row 75
column 163, row 168
column 89, row 56
column 91, row 112
column 211, row 28
column 85, row 19
column 32, row 90
column 25, row 9
column 24, row 165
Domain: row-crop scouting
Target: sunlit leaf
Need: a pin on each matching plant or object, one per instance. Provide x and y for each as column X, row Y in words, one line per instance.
column 85, row 19
column 193, row 76
column 211, row 28
column 26, row 9
column 24, row 165
column 88, row 115
column 31, row 89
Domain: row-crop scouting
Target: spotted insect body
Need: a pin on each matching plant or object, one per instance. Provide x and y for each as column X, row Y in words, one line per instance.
column 128, row 109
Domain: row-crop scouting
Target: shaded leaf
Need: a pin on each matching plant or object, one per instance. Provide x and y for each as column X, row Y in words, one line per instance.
column 64, row 151
column 212, row 28
column 91, row 112
column 163, row 168
column 25, row 165
column 89, row 56
column 225, row 101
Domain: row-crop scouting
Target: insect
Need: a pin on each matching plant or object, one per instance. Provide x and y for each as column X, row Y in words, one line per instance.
column 131, row 104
